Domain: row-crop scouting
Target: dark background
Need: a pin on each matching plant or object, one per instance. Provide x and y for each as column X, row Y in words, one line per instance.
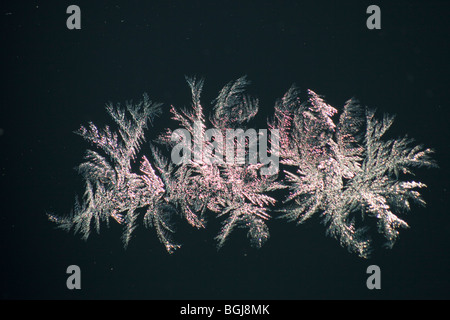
column 55, row 79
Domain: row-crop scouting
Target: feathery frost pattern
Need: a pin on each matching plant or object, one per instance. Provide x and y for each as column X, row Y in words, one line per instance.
column 345, row 172
column 341, row 169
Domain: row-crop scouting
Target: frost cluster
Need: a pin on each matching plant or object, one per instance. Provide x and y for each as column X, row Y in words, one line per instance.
column 340, row 168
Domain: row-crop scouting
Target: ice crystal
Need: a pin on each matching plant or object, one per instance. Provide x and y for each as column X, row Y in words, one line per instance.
column 193, row 189
column 343, row 170
column 112, row 189
column 346, row 171
column 236, row 191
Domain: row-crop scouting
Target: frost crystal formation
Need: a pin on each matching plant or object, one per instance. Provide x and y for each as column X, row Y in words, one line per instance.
column 345, row 171
column 342, row 170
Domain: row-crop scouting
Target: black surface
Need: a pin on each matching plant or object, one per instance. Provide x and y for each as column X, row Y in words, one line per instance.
column 55, row 79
